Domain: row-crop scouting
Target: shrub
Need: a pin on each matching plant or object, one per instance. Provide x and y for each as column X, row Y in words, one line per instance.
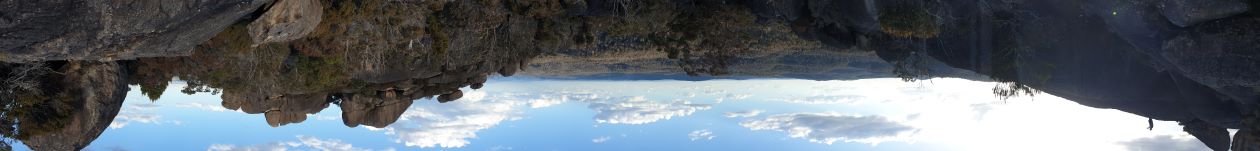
column 908, row 18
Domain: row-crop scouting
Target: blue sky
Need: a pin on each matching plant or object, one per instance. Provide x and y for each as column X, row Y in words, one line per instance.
column 758, row 114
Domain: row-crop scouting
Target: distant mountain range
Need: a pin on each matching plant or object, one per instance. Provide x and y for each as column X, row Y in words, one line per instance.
column 802, row 62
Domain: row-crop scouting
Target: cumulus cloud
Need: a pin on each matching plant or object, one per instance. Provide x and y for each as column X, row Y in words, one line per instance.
column 830, row 99
column 828, row 128
column 638, row 110
column 688, row 94
column 1166, row 143
column 453, row 124
column 142, row 107
column 136, row 113
column 601, row 139
column 325, row 144
column 701, row 134
column 452, row 132
column 450, row 125
column 122, row 120
column 303, row 143
column 546, row 102
column 746, row 113
column 732, row 97
column 202, row 106
column 737, row 96
column 474, row 96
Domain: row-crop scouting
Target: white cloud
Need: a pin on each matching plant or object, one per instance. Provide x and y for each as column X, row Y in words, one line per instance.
column 201, row 106
column 701, row 134
column 474, row 96
column 303, row 143
column 142, row 106
column 453, row 124
column 450, row 125
column 326, row 144
column 828, row 128
column 547, row 101
column 1165, row 143
column 136, row 113
column 688, row 94
column 601, row 139
column 140, row 118
column 451, row 132
column 830, row 99
column 638, row 110
column 726, row 97
column 737, row 96
column 746, row 113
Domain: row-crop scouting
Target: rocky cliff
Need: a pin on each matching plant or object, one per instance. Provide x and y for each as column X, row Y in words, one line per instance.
column 41, row 30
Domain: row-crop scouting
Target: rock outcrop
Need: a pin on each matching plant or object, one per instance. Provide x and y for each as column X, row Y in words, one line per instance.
column 1187, row 13
column 279, row 109
column 43, row 30
column 286, row 20
column 98, row 90
column 376, row 111
column 1220, row 53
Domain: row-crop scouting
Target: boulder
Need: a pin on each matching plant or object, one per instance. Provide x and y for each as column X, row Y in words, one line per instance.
column 374, row 111
column 1216, row 138
column 287, row 20
column 101, row 89
column 279, row 110
column 454, row 95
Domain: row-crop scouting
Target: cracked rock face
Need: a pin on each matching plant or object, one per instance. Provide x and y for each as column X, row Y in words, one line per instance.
column 287, row 20
column 1186, row 13
column 375, row 111
column 1218, row 53
column 42, row 30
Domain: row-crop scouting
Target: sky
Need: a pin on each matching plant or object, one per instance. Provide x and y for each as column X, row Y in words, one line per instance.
column 750, row 114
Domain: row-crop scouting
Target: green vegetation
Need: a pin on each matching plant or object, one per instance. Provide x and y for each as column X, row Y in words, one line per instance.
column 1009, row 57
column 637, row 18
column 318, row 74
column 912, row 69
column 33, row 104
column 908, row 18
column 440, row 40
column 710, row 39
column 154, row 92
column 41, row 115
